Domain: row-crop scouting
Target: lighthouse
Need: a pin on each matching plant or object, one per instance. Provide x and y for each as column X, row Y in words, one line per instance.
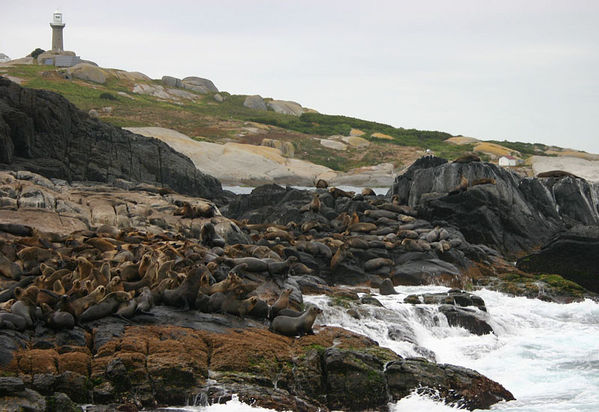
column 57, row 26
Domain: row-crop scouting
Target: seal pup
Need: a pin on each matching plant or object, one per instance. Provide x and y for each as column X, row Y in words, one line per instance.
column 302, row 325
column 57, row 319
column 315, row 204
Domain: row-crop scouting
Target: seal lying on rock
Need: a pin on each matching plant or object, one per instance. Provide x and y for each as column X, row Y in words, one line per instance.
column 302, row 325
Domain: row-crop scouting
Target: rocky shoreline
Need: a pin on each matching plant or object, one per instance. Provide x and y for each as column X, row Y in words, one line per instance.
column 127, row 294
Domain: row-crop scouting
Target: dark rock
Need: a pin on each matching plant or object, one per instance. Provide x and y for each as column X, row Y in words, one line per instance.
column 386, row 288
column 370, row 300
column 456, row 385
column 470, row 319
column 574, row 255
column 44, row 383
column 424, row 272
column 354, row 381
column 74, row 385
column 60, row 402
column 26, row 400
column 9, row 385
column 452, row 297
column 52, row 137
column 512, row 214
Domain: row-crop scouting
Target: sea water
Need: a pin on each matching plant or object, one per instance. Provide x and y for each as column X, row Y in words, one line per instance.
column 546, row 354
column 244, row 190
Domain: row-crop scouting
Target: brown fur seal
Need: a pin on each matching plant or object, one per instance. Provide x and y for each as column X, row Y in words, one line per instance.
column 376, row 263
column 315, row 204
column 288, row 326
column 467, row 158
column 253, row 264
column 337, row 193
column 321, row 184
column 145, row 301
column 483, row 181
column 107, row 306
column 238, row 307
column 361, row 227
column 185, row 295
column 58, row 319
column 209, row 237
column 368, row 192
column 281, row 303
column 81, row 304
column 557, row 174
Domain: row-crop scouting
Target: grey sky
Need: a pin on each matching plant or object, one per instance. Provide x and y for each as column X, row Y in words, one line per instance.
column 515, row 70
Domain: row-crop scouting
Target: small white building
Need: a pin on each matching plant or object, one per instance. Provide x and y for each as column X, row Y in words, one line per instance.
column 508, row 161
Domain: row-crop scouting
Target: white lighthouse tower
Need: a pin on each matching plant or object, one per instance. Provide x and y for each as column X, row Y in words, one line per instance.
column 58, row 56
column 57, row 26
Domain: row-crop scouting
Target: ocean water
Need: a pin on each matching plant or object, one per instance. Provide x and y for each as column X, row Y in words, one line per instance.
column 546, row 354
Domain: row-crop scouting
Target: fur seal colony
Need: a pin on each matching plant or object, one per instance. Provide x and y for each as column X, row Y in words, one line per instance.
column 65, row 280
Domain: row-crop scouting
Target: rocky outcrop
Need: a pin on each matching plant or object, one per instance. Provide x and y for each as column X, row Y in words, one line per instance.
column 42, row 132
column 494, row 206
column 87, row 72
column 286, row 107
column 255, row 102
column 199, row 85
column 573, row 254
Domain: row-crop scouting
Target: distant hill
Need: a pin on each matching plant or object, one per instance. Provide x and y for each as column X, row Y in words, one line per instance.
column 195, row 107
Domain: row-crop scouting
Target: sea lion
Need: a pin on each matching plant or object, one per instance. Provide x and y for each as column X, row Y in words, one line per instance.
column 288, row 326
column 209, row 237
column 376, row 263
column 467, row 158
column 315, row 204
column 321, row 184
column 281, row 303
column 105, row 307
column 144, row 301
column 368, row 192
column 234, row 306
column 361, row 227
column 58, row 319
column 557, row 174
column 276, row 267
column 81, row 304
column 252, row 264
column 337, row 193
column 185, row 295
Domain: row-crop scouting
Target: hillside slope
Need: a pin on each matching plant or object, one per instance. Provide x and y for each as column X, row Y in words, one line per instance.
column 192, row 107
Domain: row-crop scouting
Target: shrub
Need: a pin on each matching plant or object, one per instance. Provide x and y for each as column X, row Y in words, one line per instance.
column 37, row 52
column 108, row 96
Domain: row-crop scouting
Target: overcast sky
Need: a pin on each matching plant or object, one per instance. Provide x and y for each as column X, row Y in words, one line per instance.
column 515, row 70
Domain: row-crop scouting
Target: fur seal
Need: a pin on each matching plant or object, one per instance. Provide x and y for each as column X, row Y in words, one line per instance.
column 467, row 158
column 376, row 263
column 238, row 307
column 288, row 326
column 315, row 204
column 107, row 306
column 12, row 321
column 81, row 304
column 557, row 174
column 337, row 193
column 321, row 184
column 209, row 237
column 281, row 303
column 361, row 227
column 368, row 192
column 144, row 301
column 58, row 319
column 253, row 264
column 185, row 294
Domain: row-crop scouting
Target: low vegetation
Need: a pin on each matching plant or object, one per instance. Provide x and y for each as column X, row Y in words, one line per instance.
column 205, row 119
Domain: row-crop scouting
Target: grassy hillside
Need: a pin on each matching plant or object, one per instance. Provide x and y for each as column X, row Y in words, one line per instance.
column 205, row 119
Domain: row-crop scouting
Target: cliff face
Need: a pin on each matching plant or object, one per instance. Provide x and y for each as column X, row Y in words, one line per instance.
column 495, row 206
column 42, row 132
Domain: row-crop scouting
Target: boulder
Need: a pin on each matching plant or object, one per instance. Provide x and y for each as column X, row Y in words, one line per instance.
column 286, row 107
column 55, row 139
column 456, row 385
column 88, row 73
column 470, row 319
column 199, row 85
column 286, row 148
column 495, row 206
column 255, row 102
column 333, row 144
column 218, row 98
column 4, row 58
column 172, row 81
column 573, row 254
